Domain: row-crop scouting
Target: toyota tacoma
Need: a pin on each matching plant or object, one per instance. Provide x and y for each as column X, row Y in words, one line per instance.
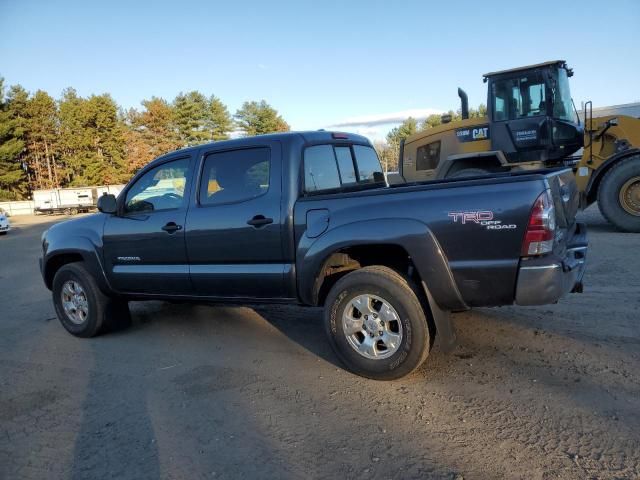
column 308, row 219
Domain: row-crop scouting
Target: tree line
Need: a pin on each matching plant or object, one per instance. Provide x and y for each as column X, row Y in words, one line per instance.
column 81, row 141
column 389, row 152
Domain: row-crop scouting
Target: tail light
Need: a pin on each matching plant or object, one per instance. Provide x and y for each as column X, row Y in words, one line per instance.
column 541, row 229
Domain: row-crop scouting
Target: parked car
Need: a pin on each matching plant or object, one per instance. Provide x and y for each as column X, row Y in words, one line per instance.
column 5, row 225
column 307, row 218
column 4, row 212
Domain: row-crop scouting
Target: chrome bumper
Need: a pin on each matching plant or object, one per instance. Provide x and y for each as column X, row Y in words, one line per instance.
column 545, row 280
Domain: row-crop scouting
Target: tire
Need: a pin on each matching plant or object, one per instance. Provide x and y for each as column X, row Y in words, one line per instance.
column 102, row 313
column 468, row 172
column 378, row 283
column 74, row 211
column 609, row 195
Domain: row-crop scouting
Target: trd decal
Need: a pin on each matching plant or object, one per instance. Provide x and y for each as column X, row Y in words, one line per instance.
column 480, row 217
column 475, row 217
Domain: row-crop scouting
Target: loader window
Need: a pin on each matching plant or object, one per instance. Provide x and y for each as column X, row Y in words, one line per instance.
column 428, row 156
column 519, row 97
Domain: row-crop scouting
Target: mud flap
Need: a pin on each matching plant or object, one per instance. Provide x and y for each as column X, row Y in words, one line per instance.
column 445, row 333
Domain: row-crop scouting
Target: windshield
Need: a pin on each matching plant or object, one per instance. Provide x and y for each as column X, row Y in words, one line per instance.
column 561, row 95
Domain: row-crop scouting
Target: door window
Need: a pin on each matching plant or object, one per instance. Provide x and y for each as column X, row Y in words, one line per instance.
column 519, row 97
column 161, row 188
column 234, row 176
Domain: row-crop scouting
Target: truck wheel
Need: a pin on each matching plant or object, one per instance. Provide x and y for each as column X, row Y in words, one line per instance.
column 468, row 172
column 376, row 324
column 74, row 211
column 619, row 195
column 82, row 308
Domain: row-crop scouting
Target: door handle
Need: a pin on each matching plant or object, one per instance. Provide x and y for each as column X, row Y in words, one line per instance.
column 260, row 221
column 172, row 227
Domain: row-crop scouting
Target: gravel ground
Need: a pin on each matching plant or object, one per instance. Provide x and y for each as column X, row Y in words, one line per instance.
column 215, row 392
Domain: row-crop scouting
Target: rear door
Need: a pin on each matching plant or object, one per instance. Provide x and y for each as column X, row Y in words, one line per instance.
column 144, row 245
column 234, row 229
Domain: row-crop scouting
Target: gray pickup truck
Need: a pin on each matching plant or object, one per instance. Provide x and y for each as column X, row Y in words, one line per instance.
column 308, row 219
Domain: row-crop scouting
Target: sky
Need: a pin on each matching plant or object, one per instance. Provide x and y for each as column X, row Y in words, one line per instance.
column 359, row 66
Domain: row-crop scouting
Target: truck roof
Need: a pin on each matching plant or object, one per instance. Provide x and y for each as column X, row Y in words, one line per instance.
column 526, row 67
column 310, row 136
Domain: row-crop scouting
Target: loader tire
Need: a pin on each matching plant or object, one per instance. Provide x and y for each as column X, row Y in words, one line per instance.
column 619, row 195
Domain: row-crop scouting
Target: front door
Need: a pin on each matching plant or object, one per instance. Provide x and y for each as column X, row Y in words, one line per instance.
column 144, row 245
column 234, row 238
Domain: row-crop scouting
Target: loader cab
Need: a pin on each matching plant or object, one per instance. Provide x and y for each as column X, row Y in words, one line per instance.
column 531, row 115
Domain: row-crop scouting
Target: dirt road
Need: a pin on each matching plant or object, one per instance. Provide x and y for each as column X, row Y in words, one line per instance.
column 211, row 392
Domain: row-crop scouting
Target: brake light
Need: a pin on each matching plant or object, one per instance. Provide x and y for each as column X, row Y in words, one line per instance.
column 541, row 229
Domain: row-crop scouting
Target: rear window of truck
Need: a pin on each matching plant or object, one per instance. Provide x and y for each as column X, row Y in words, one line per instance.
column 335, row 167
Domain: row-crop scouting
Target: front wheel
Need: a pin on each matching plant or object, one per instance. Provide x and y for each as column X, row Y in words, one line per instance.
column 81, row 307
column 619, row 195
column 376, row 323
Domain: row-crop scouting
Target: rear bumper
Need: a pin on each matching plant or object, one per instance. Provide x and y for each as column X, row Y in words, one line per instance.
column 547, row 279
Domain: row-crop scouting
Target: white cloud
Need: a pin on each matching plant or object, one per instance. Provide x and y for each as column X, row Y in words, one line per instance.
column 385, row 118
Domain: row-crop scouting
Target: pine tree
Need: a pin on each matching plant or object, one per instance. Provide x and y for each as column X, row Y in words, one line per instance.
column 42, row 114
column 12, row 175
column 149, row 133
column 191, row 111
column 257, row 118
column 220, row 122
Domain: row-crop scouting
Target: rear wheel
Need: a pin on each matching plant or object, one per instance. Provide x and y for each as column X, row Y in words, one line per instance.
column 468, row 172
column 619, row 195
column 376, row 323
column 82, row 308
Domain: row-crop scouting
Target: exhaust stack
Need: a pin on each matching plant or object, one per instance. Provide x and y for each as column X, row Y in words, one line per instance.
column 464, row 103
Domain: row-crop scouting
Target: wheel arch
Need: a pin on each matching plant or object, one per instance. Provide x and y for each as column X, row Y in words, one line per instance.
column 493, row 159
column 414, row 252
column 593, row 185
column 81, row 252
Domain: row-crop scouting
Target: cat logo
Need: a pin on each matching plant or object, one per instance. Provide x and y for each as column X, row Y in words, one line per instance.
column 473, row 134
column 480, row 133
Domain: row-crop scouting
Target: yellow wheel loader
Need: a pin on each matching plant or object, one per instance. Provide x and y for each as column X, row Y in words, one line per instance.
column 532, row 123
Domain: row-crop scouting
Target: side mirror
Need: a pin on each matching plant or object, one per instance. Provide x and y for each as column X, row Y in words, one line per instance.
column 107, row 204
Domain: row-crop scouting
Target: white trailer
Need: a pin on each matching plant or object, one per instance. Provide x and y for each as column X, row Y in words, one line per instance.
column 70, row 201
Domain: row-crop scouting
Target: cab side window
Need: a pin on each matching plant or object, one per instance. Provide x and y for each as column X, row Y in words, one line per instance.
column 331, row 167
column 234, row 176
column 161, row 188
column 320, row 169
